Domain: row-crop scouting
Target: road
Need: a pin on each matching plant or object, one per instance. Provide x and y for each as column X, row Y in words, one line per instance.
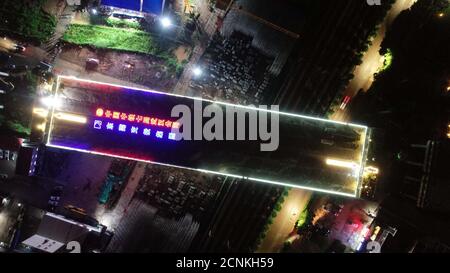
column 285, row 220
column 111, row 219
column 372, row 60
column 62, row 67
column 207, row 22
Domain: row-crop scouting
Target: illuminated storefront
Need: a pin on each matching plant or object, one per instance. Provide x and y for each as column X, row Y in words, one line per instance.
column 124, row 122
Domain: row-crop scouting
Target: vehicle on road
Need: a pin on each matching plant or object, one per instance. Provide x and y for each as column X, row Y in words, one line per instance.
column 345, row 102
column 6, row 86
column 6, row 154
column 4, row 58
column 42, row 68
column 55, row 197
column 12, row 68
column 19, row 48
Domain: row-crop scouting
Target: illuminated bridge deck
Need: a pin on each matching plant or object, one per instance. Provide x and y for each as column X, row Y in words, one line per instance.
column 125, row 122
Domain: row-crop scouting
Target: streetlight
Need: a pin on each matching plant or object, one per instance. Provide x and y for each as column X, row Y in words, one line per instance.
column 51, row 101
column 197, row 71
column 166, row 22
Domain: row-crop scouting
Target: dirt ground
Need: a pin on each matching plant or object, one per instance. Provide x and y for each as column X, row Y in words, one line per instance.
column 140, row 69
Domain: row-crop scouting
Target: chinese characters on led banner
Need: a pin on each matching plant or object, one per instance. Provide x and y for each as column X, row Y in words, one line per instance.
column 118, row 124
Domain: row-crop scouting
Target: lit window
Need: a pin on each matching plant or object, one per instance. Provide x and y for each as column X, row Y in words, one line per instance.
column 99, row 112
column 159, row 134
column 116, row 115
column 97, row 124
column 131, row 117
column 122, row 127
column 110, row 126
column 146, row 132
column 134, row 129
column 172, row 136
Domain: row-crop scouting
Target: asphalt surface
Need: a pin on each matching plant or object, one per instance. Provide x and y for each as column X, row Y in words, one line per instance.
column 284, row 222
column 372, row 60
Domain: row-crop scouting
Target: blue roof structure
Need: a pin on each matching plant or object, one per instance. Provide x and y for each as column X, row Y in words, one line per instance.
column 148, row 6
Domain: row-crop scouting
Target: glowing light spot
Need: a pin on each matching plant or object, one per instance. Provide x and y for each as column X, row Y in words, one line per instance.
column 161, row 122
column 172, row 136
column 168, row 124
column 131, row 117
column 159, row 134
column 146, row 132
column 134, row 129
column 70, row 117
column 97, row 124
column 122, row 127
column 123, row 116
column 108, row 114
column 40, row 112
column 139, row 118
column 110, row 126
column 175, row 125
column 99, row 112
column 146, row 120
column 153, row 121
column 116, row 115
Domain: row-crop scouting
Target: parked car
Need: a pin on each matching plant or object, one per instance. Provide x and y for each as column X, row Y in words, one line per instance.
column 6, row 86
column 55, row 196
column 92, row 64
column 42, row 68
column 4, row 58
column 13, row 68
column 19, row 48
column 6, row 154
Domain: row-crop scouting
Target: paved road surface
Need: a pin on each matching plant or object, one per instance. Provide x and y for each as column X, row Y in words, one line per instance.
column 111, row 219
column 284, row 223
column 372, row 60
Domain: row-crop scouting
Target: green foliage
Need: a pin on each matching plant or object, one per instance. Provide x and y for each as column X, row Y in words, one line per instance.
column 18, row 104
column 302, row 218
column 112, row 38
column 388, row 57
column 131, row 40
column 18, row 127
column 27, row 20
column 122, row 23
